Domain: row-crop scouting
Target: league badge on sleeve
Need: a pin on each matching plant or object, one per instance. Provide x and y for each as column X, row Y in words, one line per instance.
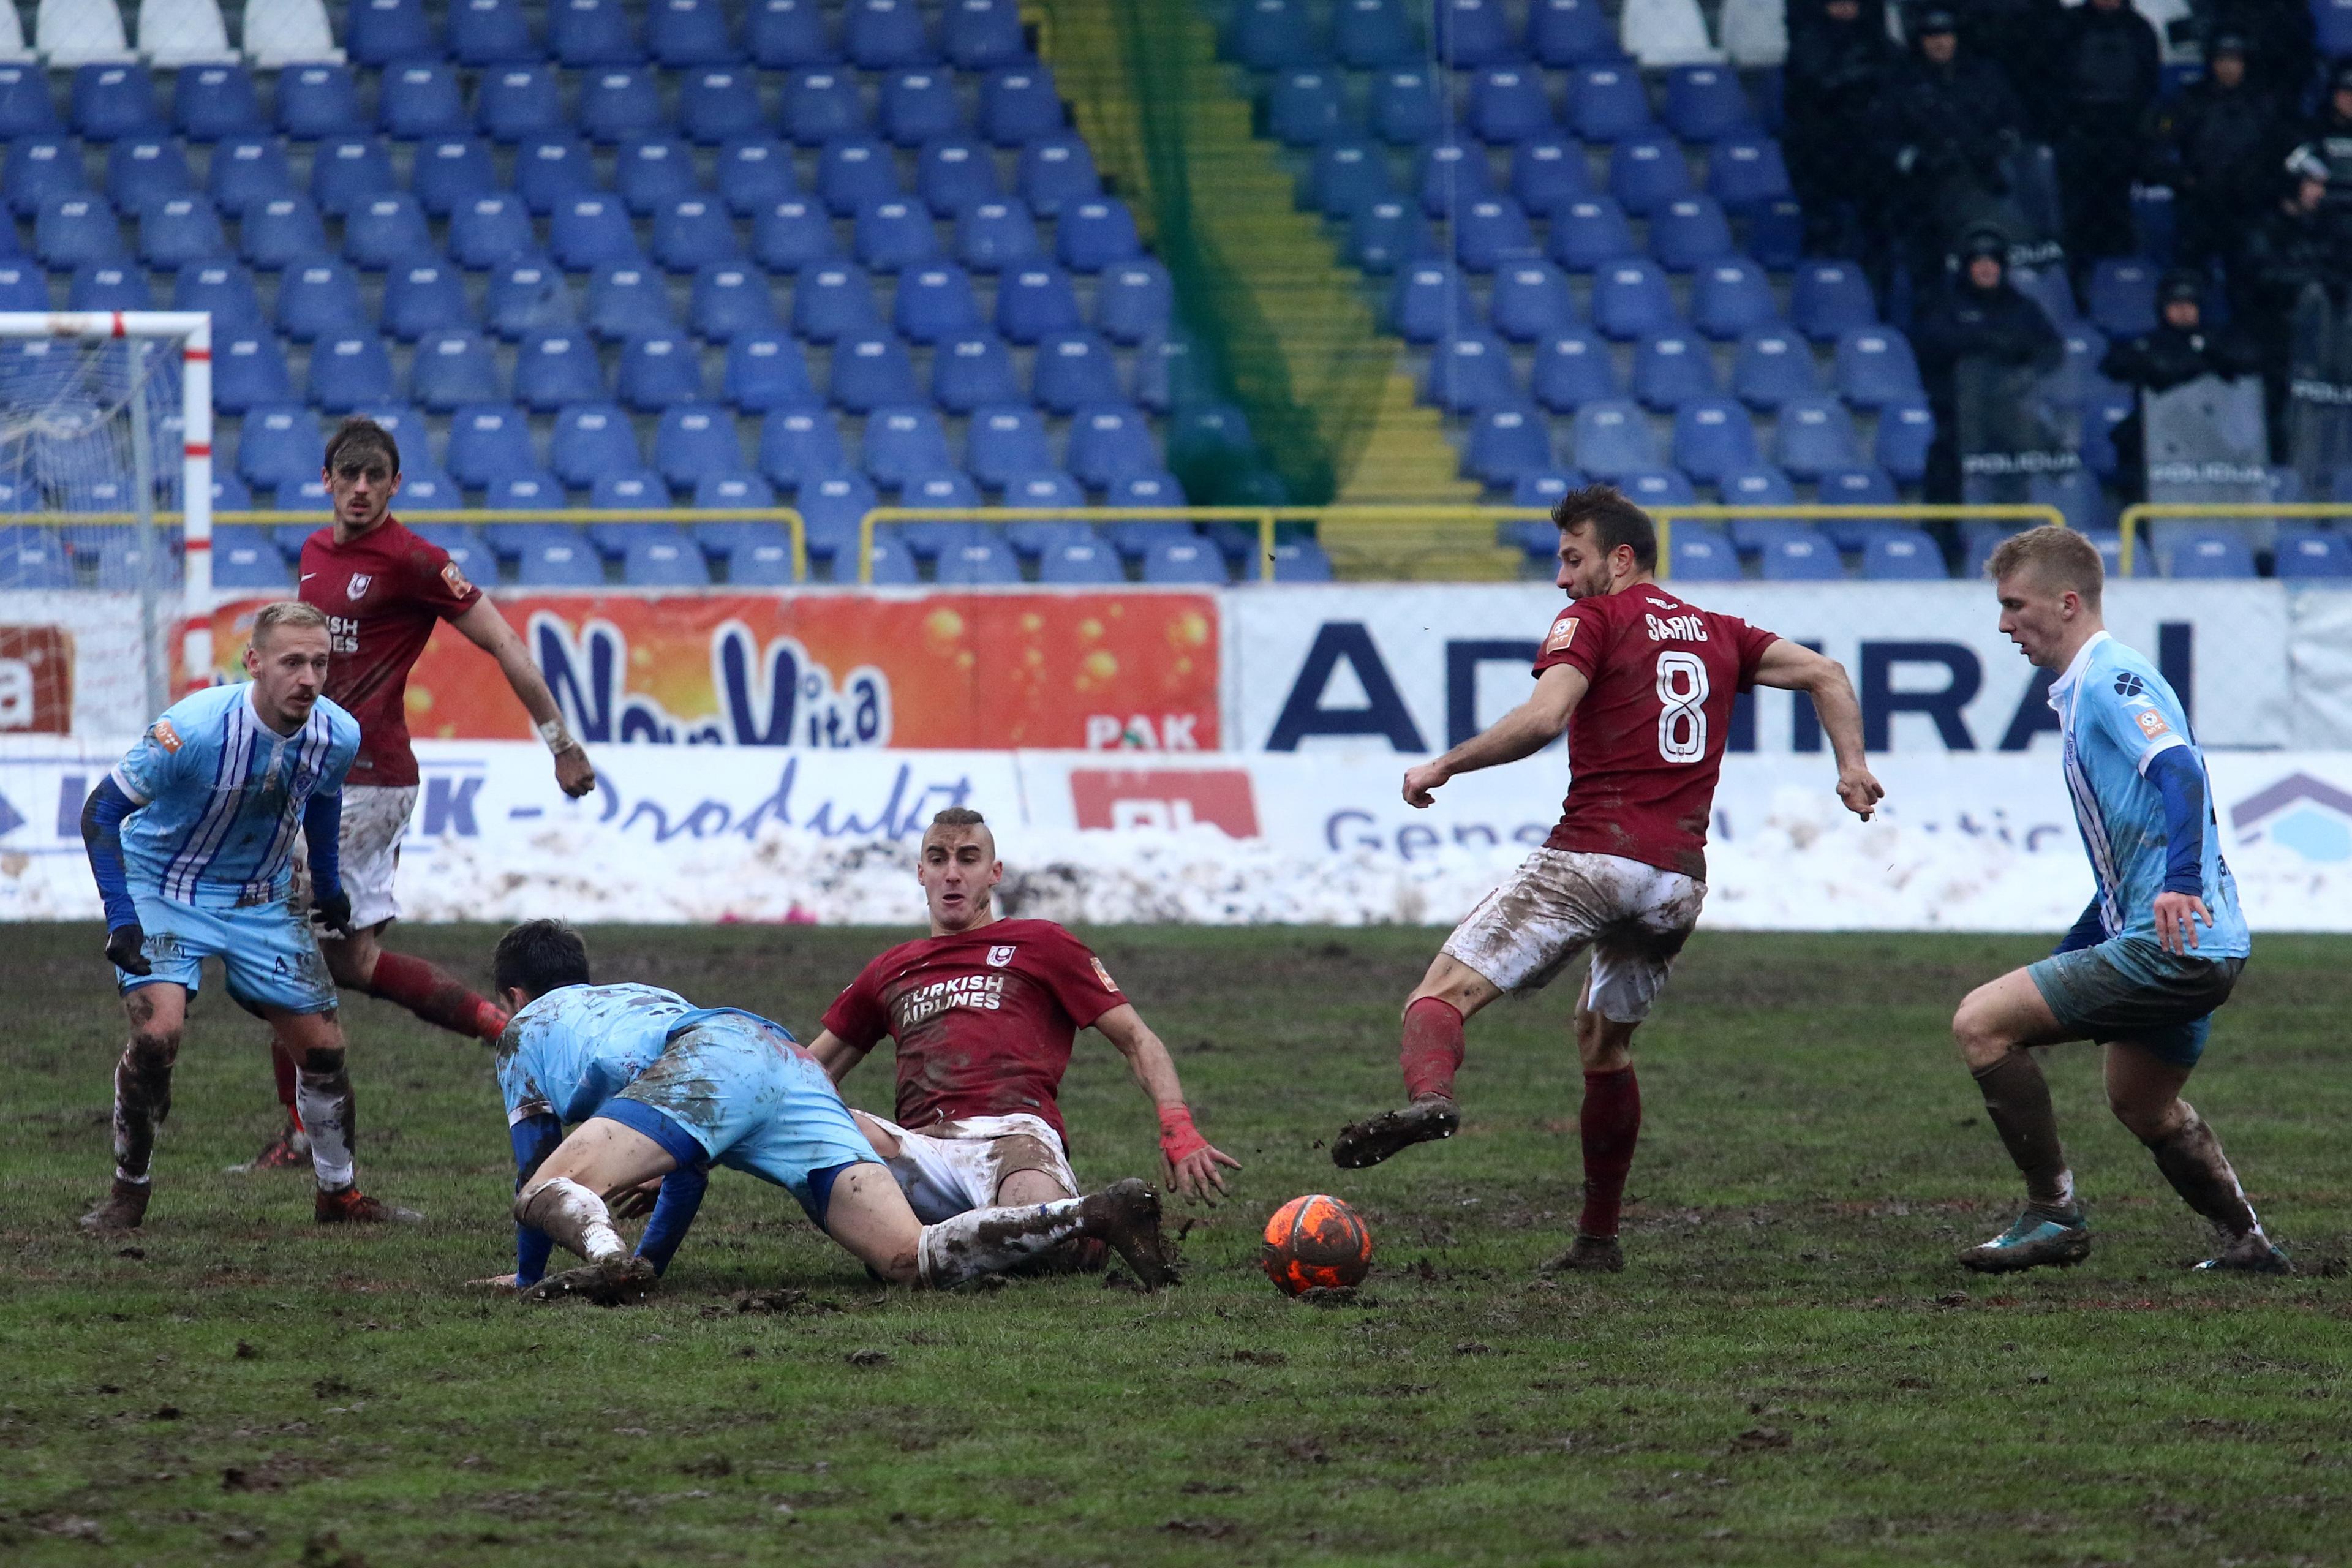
column 168, row 738
column 455, row 579
column 1563, row 633
column 2151, row 723
column 1103, row 976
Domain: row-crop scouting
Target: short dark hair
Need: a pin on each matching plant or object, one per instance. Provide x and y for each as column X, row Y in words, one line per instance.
column 357, row 437
column 538, row 957
column 1614, row 520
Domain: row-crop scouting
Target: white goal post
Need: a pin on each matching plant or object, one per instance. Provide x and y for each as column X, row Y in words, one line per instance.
column 192, row 331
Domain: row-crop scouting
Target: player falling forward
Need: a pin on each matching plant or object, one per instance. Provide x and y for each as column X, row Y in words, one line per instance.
column 984, row 1012
column 190, row 838
column 2136, row 975
column 1643, row 682
column 728, row 1088
column 383, row 589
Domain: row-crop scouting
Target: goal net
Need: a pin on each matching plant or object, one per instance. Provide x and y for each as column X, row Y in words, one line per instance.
column 106, row 507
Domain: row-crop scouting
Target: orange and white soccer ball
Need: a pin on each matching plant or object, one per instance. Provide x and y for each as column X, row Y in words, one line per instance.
column 1315, row 1243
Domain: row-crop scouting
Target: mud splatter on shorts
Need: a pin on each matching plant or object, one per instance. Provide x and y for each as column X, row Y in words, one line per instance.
column 1634, row 918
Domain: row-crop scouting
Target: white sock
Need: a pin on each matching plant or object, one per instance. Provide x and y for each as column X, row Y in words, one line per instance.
column 575, row 1217
column 324, row 1101
column 987, row 1240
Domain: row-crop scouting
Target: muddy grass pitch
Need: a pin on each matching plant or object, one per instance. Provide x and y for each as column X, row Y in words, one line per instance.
column 1790, row 1369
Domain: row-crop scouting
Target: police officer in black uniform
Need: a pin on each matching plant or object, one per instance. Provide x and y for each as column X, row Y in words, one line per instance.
column 1980, row 316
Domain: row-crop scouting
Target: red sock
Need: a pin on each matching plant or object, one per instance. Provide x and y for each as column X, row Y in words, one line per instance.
column 283, row 1065
column 435, row 996
column 1431, row 1048
column 1611, row 1125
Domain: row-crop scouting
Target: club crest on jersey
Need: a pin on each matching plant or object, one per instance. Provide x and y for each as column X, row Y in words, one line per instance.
column 1103, row 976
column 358, row 586
column 1562, row 634
column 998, row 957
column 2151, row 723
column 455, row 580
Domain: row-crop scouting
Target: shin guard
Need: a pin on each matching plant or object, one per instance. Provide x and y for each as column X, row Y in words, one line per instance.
column 330, row 1116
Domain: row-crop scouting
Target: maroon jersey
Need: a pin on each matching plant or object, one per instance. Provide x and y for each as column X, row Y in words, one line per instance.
column 1646, row 746
column 983, row 1018
column 383, row 593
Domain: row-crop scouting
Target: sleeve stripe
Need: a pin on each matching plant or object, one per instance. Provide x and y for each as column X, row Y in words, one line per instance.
column 2158, row 749
column 122, row 782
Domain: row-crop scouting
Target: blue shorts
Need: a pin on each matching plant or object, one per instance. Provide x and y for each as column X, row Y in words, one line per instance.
column 750, row 1098
column 2129, row 988
column 271, row 957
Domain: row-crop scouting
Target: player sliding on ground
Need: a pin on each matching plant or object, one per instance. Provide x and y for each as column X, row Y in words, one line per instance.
column 383, row 589
column 984, row 1012
column 189, row 840
column 663, row 1088
column 2157, row 952
column 1642, row 683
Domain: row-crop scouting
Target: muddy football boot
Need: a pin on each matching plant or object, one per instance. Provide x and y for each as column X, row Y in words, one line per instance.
column 1126, row 1215
column 615, row 1282
column 122, row 1211
column 352, row 1207
column 289, row 1150
column 1373, row 1139
column 1590, row 1255
column 2041, row 1236
column 2253, row 1253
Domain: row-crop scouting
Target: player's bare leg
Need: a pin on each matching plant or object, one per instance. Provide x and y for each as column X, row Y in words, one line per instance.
column 331, row 1113
column 869, row 1216
column 1996, row 1027
column 1610, row 1123
column 143, row 1099
column 2143, row 1091
column 568, row 1198
column 1431, row 1051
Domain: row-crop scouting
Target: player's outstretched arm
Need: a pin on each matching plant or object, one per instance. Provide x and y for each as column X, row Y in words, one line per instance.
column 1522, row 732
column 487, row 630
column 1191, row 1161
column 834, row 1054
column 1793, row 667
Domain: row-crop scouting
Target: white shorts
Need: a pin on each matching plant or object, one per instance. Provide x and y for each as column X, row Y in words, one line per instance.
column 1634, row 918
column 954, row 1167
column 376, row 819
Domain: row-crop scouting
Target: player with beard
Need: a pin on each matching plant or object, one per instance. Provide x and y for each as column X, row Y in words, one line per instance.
column 984, row 1012
column 1643, row 682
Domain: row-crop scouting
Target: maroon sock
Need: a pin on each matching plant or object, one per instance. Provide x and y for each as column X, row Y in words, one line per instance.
column 434, row 995
column 1611, row 1125
column 283, row 1065
column 1431, row 1048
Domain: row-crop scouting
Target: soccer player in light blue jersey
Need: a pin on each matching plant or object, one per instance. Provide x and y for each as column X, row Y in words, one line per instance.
column 2158, row 949
column 190, row 838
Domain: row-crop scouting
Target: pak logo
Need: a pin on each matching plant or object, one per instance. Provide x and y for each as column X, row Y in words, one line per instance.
column 165, row 736
column 2151, row 723
column 1561, row 635
column 358, row 586
column 452, row 579
column 1103, row 976
column 998, row 957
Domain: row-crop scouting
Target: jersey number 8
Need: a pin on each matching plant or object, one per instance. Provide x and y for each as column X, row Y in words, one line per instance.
column 1682, row 718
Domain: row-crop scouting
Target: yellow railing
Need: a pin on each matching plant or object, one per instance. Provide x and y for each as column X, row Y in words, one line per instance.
column 2148, row 511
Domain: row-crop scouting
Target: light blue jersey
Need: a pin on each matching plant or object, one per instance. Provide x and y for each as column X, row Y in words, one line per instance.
column 575, row 1047
column 2119, row 715
column 220, row 796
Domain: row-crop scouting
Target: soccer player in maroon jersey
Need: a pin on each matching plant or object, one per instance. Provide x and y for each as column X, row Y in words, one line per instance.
column 1643, row 682
column 384, row 590
column 984, row 1012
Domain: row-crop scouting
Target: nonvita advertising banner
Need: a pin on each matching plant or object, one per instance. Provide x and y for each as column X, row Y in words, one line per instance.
column 1982, row 841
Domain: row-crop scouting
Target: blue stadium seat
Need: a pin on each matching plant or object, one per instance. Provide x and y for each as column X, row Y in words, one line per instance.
column 1713, row 437
column 1731, row 298
column 278, row 444
column 1547, row 171
column 1405, row 107
column 1042, row 489
column 1301, row 561
column 119, row 565
column 317, row 298
column 1018, row 104
column 934, row 302
column 524, row 491
column 1164, row 366
column 2208, row 554
column 978, row 560
column 658, row 369
column 730, row 300
column 1469, row 371
column 247, row 371
column 349, row 371
column 830, row 508
column 114, row 100
column 72, row 231
column 1532, row 302
column 1570, row 33
column 348, row 171
column 1005, row 443
column 1607, row 102
column 801, row 446
column 719, row 104
column 2077, row 377
column 1134, row 301
column 2122, row 300
column 491, row 33
column 871, row 371
column 1673, row 368
column 693, row 439
column 2078, row 497
column 973, row 371
column 381, row 32
column 1094, row 235
column 996, row 237
column 1109, row 443
column 179, row 231
column 243, row 557
column 592, row 438
column 1876, row 367
column 1073, row 370
column 1747, row 174
column 1492, row 233
column 1648, row 174
column 1034, row 302
column 1429, row 300
column 1905, row 431
column 417, row 100
column 386, row 232
column 1902, row 555
column 1506, row 105
column 981, row 34
column 1612, row 439
column 555, row 368
column 1764, row 485
column 142, row 169
column 1654, row 487
column 1772, row 366
column 1856, row 487
column 903, row 443
column 1508, row 442
column 782, row 34
column 1696, row 553
column 914, row 106
column 833, row 302
column 1345, row 175
column 1306, row 106
column 1385, row 235
column 488, row 230
column 559, row 564
column 1705, row 103
column 892, row 234
column 526, row 295
column 108, row 285
column 2311, row 555
column 2047, row 287
column 26, row 107
column 1366, row 34
column 1631, row 299
column 1816, row 438
column 667, row 560
column 1544, row 489
column 1689, row 234
column 405, row 424
column 1470, row 33
column 694, row 233
column 1056, row 173
column 515, row 102
column 654, row 172
column 1828, row 298
column 452, row 369
column 1451, row 175
column 24, row 286
column 1591, row 232
column 853, row 172
column 1080, row 562
column 427, row 488
column 41, row 168
column 791, row 235
column 589, row 232
column 879, row 34
column 551, row 170
column 754, row 173
column 1177, row 562
column 2109, row 407
column 690, row 33
column 1776, row 233
column 1268, row 34
column 765, row 370
column 930, row 538
column 450, row 172
column 1573, row 369
column 489, row 441
column 223, row 288
column 953, row 174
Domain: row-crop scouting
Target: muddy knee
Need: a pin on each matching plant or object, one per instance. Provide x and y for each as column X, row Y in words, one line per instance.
column 1980, row 1042
column 2151, row 1124
column 153, row 1050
